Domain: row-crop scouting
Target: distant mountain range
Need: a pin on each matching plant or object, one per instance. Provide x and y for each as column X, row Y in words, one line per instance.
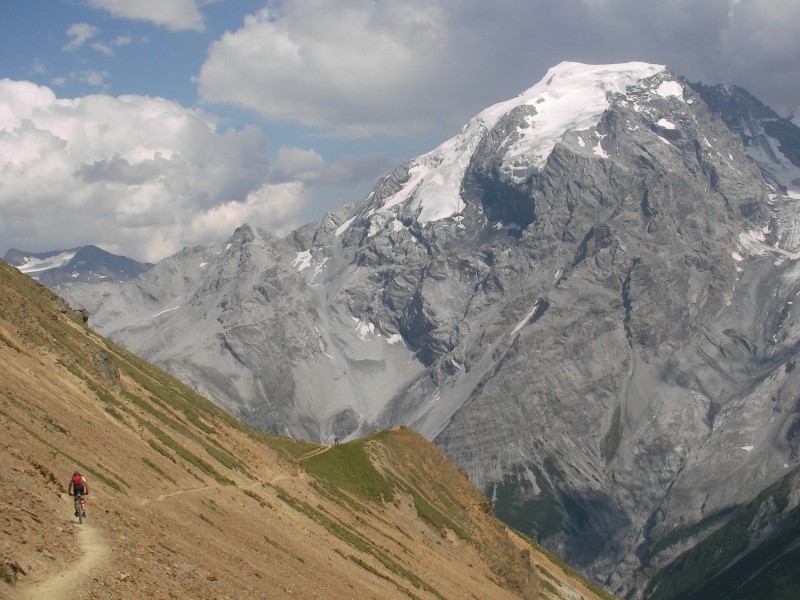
column 587, row 298
column 87, row 264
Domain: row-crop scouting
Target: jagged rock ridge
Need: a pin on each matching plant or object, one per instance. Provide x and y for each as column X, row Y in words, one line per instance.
column 771, row 141
column 585, row 298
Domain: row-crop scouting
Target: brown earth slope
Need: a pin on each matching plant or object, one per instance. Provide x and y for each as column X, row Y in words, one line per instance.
column 185, row 502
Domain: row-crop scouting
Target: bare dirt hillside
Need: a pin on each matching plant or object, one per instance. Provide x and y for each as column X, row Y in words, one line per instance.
column 185, row 502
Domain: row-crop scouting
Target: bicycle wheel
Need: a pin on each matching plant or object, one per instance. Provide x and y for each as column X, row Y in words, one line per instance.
column 78, row 510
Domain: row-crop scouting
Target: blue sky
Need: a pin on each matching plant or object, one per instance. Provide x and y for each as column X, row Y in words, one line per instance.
column 144, row 126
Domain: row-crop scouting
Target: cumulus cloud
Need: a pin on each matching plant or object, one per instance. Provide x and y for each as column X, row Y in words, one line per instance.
column 175, row 15
column 343, row 65
column 275, row 203
column 79, row 34
column 103, row 48
column 298, row 164
column 121, row 40
column 401, row 67
column 137, row 175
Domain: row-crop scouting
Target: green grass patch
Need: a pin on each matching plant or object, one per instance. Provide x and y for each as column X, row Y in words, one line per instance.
column 548, row 587
column 547, row 573
column 435, row 517
column 114, row 413
column 161, row 450
column 186, row 454
column 167, row 548
column 349, row 536
column 287, row 447
column 114, row 475
column 212, row 506
column 263, row 503
column 280, row 548
column 348, row 467
column 157, row 469
column 569, row 570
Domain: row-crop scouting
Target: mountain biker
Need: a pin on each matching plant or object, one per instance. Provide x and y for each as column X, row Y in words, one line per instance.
column 78, row 486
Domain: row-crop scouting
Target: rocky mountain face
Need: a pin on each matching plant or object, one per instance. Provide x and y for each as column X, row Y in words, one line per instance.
column 586, row 299
column 771, row 141
column 186, row 502
column 87, row 264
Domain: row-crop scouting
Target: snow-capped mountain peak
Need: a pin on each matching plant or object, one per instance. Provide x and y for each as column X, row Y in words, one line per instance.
column 571, row 97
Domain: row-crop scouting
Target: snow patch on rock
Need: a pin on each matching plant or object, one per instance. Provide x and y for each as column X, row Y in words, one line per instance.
column 302, row 261
column 36, row 265
column 670, row 88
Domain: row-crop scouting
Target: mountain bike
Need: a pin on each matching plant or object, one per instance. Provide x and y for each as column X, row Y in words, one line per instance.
column 78, row 508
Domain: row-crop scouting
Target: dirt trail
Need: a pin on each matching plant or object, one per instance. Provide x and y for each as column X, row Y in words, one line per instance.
column 316, row 452
column 62, row 584
column 162, row 497
column 145, row 501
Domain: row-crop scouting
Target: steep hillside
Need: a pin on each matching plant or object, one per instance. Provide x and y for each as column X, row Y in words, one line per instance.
column 187, row 502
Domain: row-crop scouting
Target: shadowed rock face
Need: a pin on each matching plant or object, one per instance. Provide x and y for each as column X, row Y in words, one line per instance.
column 603, row 337
column 771, row 141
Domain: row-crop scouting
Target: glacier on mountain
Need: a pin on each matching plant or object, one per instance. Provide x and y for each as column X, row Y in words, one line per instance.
column 35, row 265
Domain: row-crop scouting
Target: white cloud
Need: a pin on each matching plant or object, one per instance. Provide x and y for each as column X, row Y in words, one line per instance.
column 92, row 77
column 278, row 204
column 121, row 40
column 79, row 33
column 175, row 15
column 296, row 164
column 137, row 175
column 342, row 65
column 103, row 48
column 307, row 166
